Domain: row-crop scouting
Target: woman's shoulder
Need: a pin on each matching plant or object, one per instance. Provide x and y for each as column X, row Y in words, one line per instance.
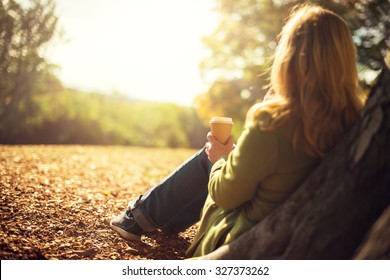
column 269, row 114
column 271, row 122
column 256, row 135
column 280, row 131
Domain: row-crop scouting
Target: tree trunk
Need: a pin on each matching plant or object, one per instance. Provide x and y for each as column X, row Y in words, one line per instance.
column 330, row 214
column 377, row 244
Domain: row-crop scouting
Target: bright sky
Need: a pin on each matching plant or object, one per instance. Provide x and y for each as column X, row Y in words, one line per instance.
column 148, row 49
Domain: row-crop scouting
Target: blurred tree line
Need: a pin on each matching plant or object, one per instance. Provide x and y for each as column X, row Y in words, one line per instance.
column 35, row 108
column 72, row 116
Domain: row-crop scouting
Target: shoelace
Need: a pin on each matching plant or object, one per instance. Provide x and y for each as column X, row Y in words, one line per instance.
column 129, row 214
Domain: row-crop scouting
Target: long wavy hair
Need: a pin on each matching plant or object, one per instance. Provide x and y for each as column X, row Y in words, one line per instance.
column 315, row 80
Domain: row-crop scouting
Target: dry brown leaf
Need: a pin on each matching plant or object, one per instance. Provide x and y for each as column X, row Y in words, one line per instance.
column 57, row 201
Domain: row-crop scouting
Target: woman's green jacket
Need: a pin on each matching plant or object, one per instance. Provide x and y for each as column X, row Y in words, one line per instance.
column 245, row 186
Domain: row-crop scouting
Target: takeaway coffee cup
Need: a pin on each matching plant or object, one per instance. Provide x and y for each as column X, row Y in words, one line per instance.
column 221, row 128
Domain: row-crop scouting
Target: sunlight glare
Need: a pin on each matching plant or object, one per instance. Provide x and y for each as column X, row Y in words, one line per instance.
column 146, row 49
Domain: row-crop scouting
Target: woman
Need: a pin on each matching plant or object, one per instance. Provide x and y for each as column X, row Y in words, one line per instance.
column 315, row 84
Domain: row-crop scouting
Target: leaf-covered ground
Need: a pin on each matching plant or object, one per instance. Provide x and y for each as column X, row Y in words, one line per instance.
column 56, row 201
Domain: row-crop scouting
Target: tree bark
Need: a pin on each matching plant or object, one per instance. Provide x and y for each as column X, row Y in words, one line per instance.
column 377, row 244
column 330, row 214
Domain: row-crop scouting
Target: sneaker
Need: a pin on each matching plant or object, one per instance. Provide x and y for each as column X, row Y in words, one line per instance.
column 125, row 225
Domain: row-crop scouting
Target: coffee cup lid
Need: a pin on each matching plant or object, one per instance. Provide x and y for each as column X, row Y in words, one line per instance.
column 221, row 120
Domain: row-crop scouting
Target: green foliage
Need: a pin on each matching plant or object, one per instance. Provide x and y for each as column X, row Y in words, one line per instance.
column 73, row 117
column 370, row 22
column 243, row 43
column 24, row 32
column 35, row 109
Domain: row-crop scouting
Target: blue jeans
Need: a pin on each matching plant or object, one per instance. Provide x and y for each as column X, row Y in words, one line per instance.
column 175, row 203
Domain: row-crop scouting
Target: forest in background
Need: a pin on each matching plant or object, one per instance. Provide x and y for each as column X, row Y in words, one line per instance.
column 37, row 109
column 75, row 117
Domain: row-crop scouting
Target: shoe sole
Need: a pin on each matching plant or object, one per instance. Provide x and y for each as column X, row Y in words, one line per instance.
column 124, row 234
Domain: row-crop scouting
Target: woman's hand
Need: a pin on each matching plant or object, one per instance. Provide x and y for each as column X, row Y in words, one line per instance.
column 216, row 150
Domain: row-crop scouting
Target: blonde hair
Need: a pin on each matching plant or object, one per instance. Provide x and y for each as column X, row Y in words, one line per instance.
column 315, row 79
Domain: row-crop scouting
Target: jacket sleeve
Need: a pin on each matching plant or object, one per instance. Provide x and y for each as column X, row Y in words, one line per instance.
column 234, row 180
